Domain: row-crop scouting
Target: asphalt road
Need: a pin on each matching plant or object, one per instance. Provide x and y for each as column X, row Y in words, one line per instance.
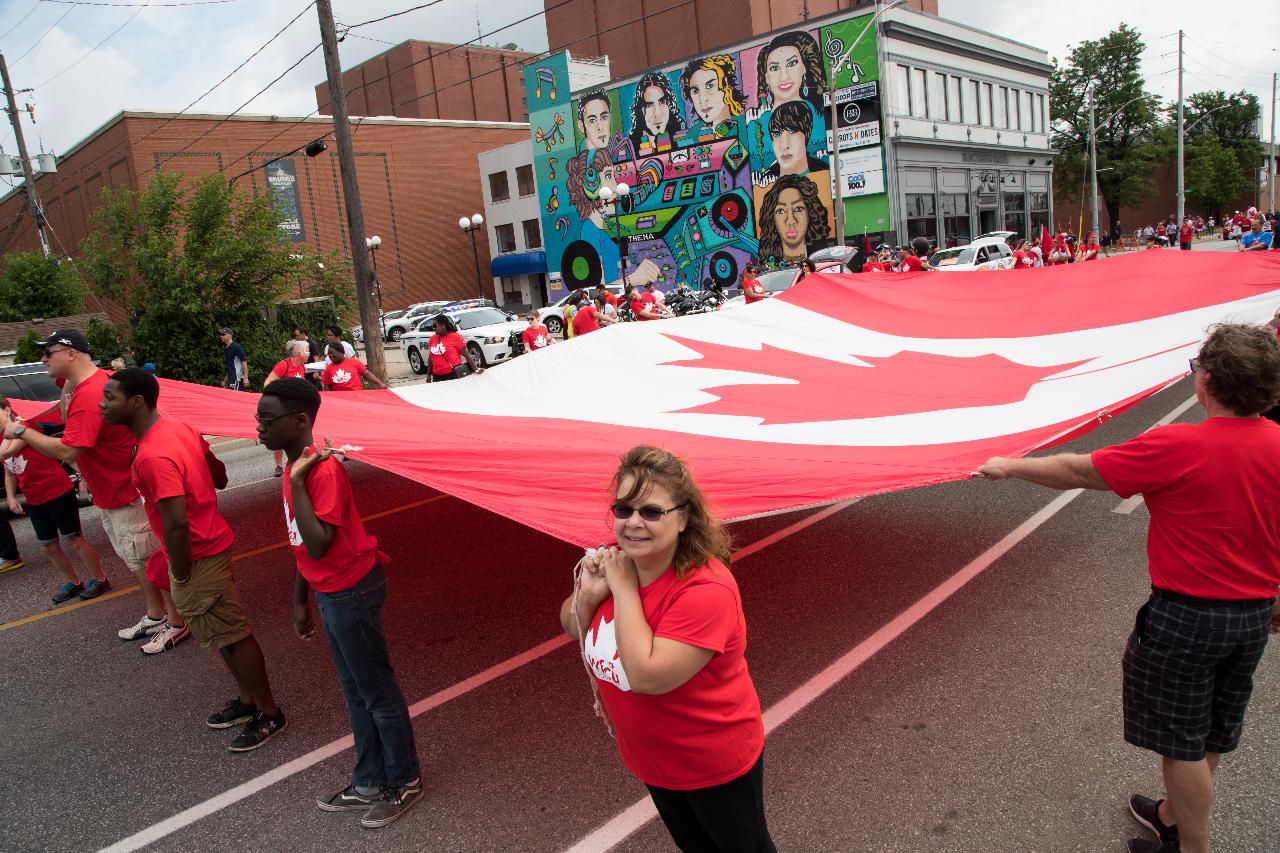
column 901, row 719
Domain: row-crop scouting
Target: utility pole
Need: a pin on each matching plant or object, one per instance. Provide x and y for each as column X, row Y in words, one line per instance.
column 1093, row 166
column 1182, row 194
column 33, row 198
column 369, row 320
column 1271, row 176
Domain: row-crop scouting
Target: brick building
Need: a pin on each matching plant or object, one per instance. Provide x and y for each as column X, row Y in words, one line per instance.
column 417, row 176
column 423, row 79
column 661, row 37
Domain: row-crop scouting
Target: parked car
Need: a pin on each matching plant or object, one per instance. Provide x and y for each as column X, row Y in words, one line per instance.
column 30, row 381
column 553, row 315
column 398, row 327
column 988, row 252
column 776, row 281
column 486, row 329
column 357, row 332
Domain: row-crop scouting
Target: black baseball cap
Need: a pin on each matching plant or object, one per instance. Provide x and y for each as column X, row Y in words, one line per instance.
column 67, row 338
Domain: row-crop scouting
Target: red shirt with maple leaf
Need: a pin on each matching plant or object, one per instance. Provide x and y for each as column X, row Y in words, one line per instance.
column 911, row 264
column 344, row 375
column 875, row 266
column 707, row 731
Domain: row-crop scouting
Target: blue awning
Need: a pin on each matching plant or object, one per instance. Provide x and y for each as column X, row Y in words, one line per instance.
column 519, row 263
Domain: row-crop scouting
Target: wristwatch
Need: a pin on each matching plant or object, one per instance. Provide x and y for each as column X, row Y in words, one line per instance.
column 19, row 430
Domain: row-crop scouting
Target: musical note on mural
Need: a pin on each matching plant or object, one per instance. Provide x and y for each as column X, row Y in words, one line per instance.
column 551, row 168
column 554, row 136
column 546, row 75
column 553, row 203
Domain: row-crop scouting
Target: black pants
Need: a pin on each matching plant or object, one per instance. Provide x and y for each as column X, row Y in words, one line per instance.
column 726, row 818
column 8, row 544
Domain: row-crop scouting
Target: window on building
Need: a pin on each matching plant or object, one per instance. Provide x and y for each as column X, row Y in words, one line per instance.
column 953, row 99
column 1002, row 107
column 1027, row 117
column 532, row 234
column 937, row 96
column 512, row 292
column 972, row 88
column 921, row 213
column 498, row 188
column 987, row 119
column 901, row 100
column 524, row 180
column 1015, row 211
column 1015, row 116
column 506, row 236
column 1039, row 213
column 955, row 219
column 919, row 104
column 1044, row 117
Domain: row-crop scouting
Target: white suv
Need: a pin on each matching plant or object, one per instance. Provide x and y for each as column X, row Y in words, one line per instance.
column 487, row 332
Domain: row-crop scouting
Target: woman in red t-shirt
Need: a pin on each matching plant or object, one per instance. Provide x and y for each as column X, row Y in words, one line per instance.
column 448, row 350
column 293, row 365
column 659, row 619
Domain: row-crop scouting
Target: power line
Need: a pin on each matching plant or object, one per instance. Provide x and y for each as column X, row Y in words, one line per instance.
column 1228, row 61
column 110, row 36
column 144, row 5
column 397, row 14
column 20, row 20
column 70, row 9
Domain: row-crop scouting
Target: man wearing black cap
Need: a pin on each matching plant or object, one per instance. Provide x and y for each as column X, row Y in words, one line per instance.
column 102, row 453
column 236, row 359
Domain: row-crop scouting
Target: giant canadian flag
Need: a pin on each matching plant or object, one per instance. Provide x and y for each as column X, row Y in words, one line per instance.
column 847, row 385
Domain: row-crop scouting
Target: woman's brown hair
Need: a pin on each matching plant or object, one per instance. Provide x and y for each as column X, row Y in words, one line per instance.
column 704, row 538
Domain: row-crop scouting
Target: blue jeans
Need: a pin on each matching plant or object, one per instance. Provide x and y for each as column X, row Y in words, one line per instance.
column 386, row 754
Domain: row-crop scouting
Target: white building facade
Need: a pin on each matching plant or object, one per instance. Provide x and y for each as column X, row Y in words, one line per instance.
column 519, row 266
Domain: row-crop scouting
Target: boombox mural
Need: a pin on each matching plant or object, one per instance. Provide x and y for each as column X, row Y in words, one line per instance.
column 724, row 159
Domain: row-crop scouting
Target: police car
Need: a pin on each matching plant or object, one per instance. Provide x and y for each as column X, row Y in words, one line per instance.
column 486, row 328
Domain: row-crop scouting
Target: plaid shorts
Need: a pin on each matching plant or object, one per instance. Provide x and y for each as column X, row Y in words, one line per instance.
column 1188, row 675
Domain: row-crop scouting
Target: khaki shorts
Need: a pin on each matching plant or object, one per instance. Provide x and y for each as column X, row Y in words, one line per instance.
column 130, row 534
column 209, row 602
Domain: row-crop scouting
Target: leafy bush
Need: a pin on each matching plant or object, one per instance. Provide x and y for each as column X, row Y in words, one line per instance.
column 27, row 351
column 33, row 286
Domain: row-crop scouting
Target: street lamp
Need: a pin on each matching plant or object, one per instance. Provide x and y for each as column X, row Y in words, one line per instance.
column 471, row 226
column 1093, row 149
column 373, row 243
column 608, row 194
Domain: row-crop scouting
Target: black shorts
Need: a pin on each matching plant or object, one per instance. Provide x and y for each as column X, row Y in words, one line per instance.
column 58, row 517
column 1188, row 674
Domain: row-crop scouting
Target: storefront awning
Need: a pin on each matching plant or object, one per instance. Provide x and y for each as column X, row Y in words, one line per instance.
column 518, row 263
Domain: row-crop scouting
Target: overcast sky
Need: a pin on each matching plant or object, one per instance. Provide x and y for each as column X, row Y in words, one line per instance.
column 164, row 57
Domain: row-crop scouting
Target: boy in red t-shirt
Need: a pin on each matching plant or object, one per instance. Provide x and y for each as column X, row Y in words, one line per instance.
column 536, row 336
column 51, row 506
column 345, row 373
column 340, row 561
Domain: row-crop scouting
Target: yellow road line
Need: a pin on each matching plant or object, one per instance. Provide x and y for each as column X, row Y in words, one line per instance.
column 117, row 593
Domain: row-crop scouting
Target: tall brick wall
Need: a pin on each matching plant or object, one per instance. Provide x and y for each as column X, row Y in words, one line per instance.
column 416, row 180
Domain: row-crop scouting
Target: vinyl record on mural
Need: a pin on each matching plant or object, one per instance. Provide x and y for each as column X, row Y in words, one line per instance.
column 723, row 268
column 580, row 265
column 729, row 210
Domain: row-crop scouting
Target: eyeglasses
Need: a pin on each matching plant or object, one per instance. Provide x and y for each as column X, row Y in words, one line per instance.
column 269, row 420
column 648, row 512
column 1194, row 364
column 48, row 353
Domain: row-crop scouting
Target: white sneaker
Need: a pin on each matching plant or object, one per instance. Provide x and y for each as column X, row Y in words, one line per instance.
column 145, row 628
column 165, row 639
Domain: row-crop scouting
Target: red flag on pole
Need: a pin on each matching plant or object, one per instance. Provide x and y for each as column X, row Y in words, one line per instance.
column 866, row 246
column 1046, row 243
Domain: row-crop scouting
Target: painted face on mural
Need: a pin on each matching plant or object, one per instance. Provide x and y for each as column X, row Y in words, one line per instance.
column 595, row 123
column 708, row 97
column 784, row 74
column 791, row 219
column 607, row 179
column 656, row 111
column 789, row 149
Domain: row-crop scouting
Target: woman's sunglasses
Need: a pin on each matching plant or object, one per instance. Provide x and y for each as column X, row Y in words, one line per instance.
column 648, row 512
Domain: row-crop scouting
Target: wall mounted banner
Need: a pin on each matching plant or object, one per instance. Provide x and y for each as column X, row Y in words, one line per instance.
column 282, row 190
column 862, row 172
column 846, row 385
column 857, row 116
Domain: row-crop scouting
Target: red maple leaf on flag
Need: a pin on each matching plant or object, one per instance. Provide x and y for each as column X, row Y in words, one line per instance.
column 906, row 383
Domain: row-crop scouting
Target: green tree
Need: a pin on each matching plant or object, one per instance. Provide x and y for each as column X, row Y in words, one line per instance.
column 185, row 262
column 33, row 286
column 1213, row 176
column 1130, row 138
column 1222, row 154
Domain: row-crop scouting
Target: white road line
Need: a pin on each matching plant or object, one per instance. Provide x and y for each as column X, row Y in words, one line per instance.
column 1129, row 504
column 641, row 812
column 185, row 818
column 250, row 483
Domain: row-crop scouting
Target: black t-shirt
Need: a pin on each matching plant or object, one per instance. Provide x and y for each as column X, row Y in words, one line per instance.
column 230, row 353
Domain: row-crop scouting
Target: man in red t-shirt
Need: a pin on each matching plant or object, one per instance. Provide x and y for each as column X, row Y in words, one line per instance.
column 609, row 298
column 101, row 452
column 1213, row 550
column 177, row 474
column 591, row 317
column 345, row 372
column 916, row 261
column 340, row 561
column 1186, row 234
column 536, row 336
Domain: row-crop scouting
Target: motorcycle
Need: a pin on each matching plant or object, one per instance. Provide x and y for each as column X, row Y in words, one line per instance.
column 684, row 301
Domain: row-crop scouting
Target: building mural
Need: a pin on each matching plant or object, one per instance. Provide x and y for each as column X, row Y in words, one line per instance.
column 726, row 158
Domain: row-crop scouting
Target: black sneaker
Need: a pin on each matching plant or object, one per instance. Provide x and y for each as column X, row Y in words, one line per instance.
column 1146, row 845
column 234, row 714
column 394, row 803
column 258, row 731
column 67, row 592
column 1146, row 811
column 348, row 800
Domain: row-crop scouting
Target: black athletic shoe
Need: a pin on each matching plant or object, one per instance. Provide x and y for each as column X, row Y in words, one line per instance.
column 94, row 588
column 394, row 803
column 234, row 714
column 66, row 592
column 348, row 800
column 1146, row 811
column 1146, row 845
column 258, row 731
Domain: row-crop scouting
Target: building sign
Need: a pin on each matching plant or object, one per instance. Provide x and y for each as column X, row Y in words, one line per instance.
column 282, row 190
column 857, row 116
column 989, row 157
column 861, row 172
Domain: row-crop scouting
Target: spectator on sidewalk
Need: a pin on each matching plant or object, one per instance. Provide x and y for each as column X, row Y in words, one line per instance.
column 1256, row 240
column 235, row 360
column 52, row 509
column 1212, row 545
column 340, row 561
